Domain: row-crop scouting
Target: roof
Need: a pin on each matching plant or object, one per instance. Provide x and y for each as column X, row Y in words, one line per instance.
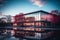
column 37, row 12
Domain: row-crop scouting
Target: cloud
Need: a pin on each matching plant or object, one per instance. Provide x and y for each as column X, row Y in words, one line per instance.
column 39, row 3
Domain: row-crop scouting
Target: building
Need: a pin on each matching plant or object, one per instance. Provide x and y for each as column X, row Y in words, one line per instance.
column 32, row 18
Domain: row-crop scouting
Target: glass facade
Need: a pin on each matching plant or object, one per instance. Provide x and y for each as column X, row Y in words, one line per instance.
column 36, row 19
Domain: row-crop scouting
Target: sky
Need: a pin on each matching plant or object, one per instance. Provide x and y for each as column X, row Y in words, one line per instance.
column 13, row 7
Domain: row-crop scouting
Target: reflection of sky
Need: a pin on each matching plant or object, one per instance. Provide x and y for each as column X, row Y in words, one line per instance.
column 13, row 7
column 36, row 16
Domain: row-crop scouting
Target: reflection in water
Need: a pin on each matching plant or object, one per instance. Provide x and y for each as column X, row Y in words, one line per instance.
column 8, row 34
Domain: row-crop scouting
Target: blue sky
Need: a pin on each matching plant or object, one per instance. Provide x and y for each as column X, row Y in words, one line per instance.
column 13, row 7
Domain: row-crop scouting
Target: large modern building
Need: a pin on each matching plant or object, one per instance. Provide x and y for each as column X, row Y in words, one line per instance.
column 31, row 19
